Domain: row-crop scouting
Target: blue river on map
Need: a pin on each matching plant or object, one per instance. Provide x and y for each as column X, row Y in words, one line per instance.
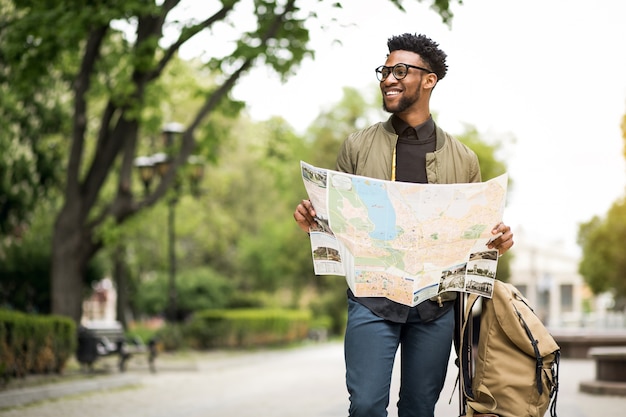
column 379, row 208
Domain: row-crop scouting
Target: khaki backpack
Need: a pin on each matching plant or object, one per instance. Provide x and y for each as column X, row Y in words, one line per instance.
column 516, row 368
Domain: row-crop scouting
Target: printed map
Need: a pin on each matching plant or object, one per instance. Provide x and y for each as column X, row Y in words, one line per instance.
column 407, row 242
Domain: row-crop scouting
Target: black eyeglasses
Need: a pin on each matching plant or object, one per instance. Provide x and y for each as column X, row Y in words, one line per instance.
column 399, row 71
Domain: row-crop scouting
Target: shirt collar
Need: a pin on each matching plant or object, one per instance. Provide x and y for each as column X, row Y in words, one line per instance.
column 423, row 131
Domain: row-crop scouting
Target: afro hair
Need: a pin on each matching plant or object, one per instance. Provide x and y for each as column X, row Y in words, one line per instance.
column 425, row 47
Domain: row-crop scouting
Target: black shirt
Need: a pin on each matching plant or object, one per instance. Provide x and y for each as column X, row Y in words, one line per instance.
column 411, row 149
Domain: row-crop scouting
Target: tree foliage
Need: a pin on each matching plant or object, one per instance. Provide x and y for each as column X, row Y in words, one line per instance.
column 198, row 288
column 26, row 263
column 603, row 263
column 240, row 224
column 89, row 77
column 30, row 155
column 334, row 124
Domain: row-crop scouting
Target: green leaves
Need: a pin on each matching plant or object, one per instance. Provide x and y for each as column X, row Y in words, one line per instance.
column 98, row 79
column 603, row 263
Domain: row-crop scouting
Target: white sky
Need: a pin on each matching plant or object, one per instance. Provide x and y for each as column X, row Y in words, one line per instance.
column 550, row 73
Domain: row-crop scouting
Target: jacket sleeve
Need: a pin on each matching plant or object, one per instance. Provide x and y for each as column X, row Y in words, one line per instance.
column 475, row 175
column 344, row 157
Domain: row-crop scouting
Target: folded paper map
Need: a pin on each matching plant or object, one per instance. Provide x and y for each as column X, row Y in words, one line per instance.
column 404, row 241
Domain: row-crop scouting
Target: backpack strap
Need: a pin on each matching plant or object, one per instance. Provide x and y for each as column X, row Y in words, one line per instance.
column 538, row 358
column 555, row 378
column 481, row 403
column 465, row 347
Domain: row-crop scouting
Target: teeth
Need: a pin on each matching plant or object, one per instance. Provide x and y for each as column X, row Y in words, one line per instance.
column 392, row 93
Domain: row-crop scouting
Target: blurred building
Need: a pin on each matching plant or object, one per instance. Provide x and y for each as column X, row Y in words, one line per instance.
column 547, row 274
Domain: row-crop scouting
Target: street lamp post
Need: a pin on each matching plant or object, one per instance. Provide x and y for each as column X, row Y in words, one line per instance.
column 169, row 132
column 172, row 294
column 161, row 163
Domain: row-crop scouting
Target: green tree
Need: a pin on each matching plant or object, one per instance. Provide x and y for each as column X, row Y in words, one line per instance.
column 30, row 154
column 268, row 258
column 199, row 289
column 25, row 267
column 603, row 262
column 87, row 73
column 332, row 126
column 240, row 224
column 491, row 164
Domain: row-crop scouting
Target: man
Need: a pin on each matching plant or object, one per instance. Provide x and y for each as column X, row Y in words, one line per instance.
column 408, row 147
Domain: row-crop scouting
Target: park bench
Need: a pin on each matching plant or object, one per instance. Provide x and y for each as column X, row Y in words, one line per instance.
column 98, row 340
column 610, row 371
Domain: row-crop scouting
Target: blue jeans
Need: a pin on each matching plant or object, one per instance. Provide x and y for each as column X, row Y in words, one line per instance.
column 371, row 344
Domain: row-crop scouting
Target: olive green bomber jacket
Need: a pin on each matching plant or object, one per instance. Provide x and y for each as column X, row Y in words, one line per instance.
column 369, row 153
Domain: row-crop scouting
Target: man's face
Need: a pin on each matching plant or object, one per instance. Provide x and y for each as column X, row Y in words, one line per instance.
column 400, row 95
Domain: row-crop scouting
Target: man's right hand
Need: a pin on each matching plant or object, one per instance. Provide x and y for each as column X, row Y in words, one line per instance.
column 305, row 215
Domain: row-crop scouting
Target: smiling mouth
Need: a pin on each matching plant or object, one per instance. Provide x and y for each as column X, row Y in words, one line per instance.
column 391, row 93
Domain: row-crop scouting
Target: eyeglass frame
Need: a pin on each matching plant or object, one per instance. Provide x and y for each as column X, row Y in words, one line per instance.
column 379, row 71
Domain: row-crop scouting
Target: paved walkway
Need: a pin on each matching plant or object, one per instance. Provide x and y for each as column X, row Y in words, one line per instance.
column 307, row 382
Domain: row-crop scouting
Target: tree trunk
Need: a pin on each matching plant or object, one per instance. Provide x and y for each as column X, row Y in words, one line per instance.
column 70, row 255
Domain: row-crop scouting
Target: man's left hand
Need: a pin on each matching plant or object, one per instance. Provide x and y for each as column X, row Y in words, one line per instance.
column 504, row 241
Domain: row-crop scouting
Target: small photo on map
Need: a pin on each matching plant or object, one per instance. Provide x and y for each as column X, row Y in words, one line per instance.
column 481, row 271
column 479, row 285
column 453, row 279
column 324, row 253
column 489, row 255
column 321, row 225
column 316, row 176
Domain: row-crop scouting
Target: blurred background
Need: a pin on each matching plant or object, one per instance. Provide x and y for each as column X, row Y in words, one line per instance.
column 149, row 155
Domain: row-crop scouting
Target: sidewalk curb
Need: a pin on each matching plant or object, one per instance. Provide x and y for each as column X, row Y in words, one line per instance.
column 24, row 396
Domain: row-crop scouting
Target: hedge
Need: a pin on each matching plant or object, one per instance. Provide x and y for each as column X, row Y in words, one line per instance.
column 34, row 344
column 243, row 328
